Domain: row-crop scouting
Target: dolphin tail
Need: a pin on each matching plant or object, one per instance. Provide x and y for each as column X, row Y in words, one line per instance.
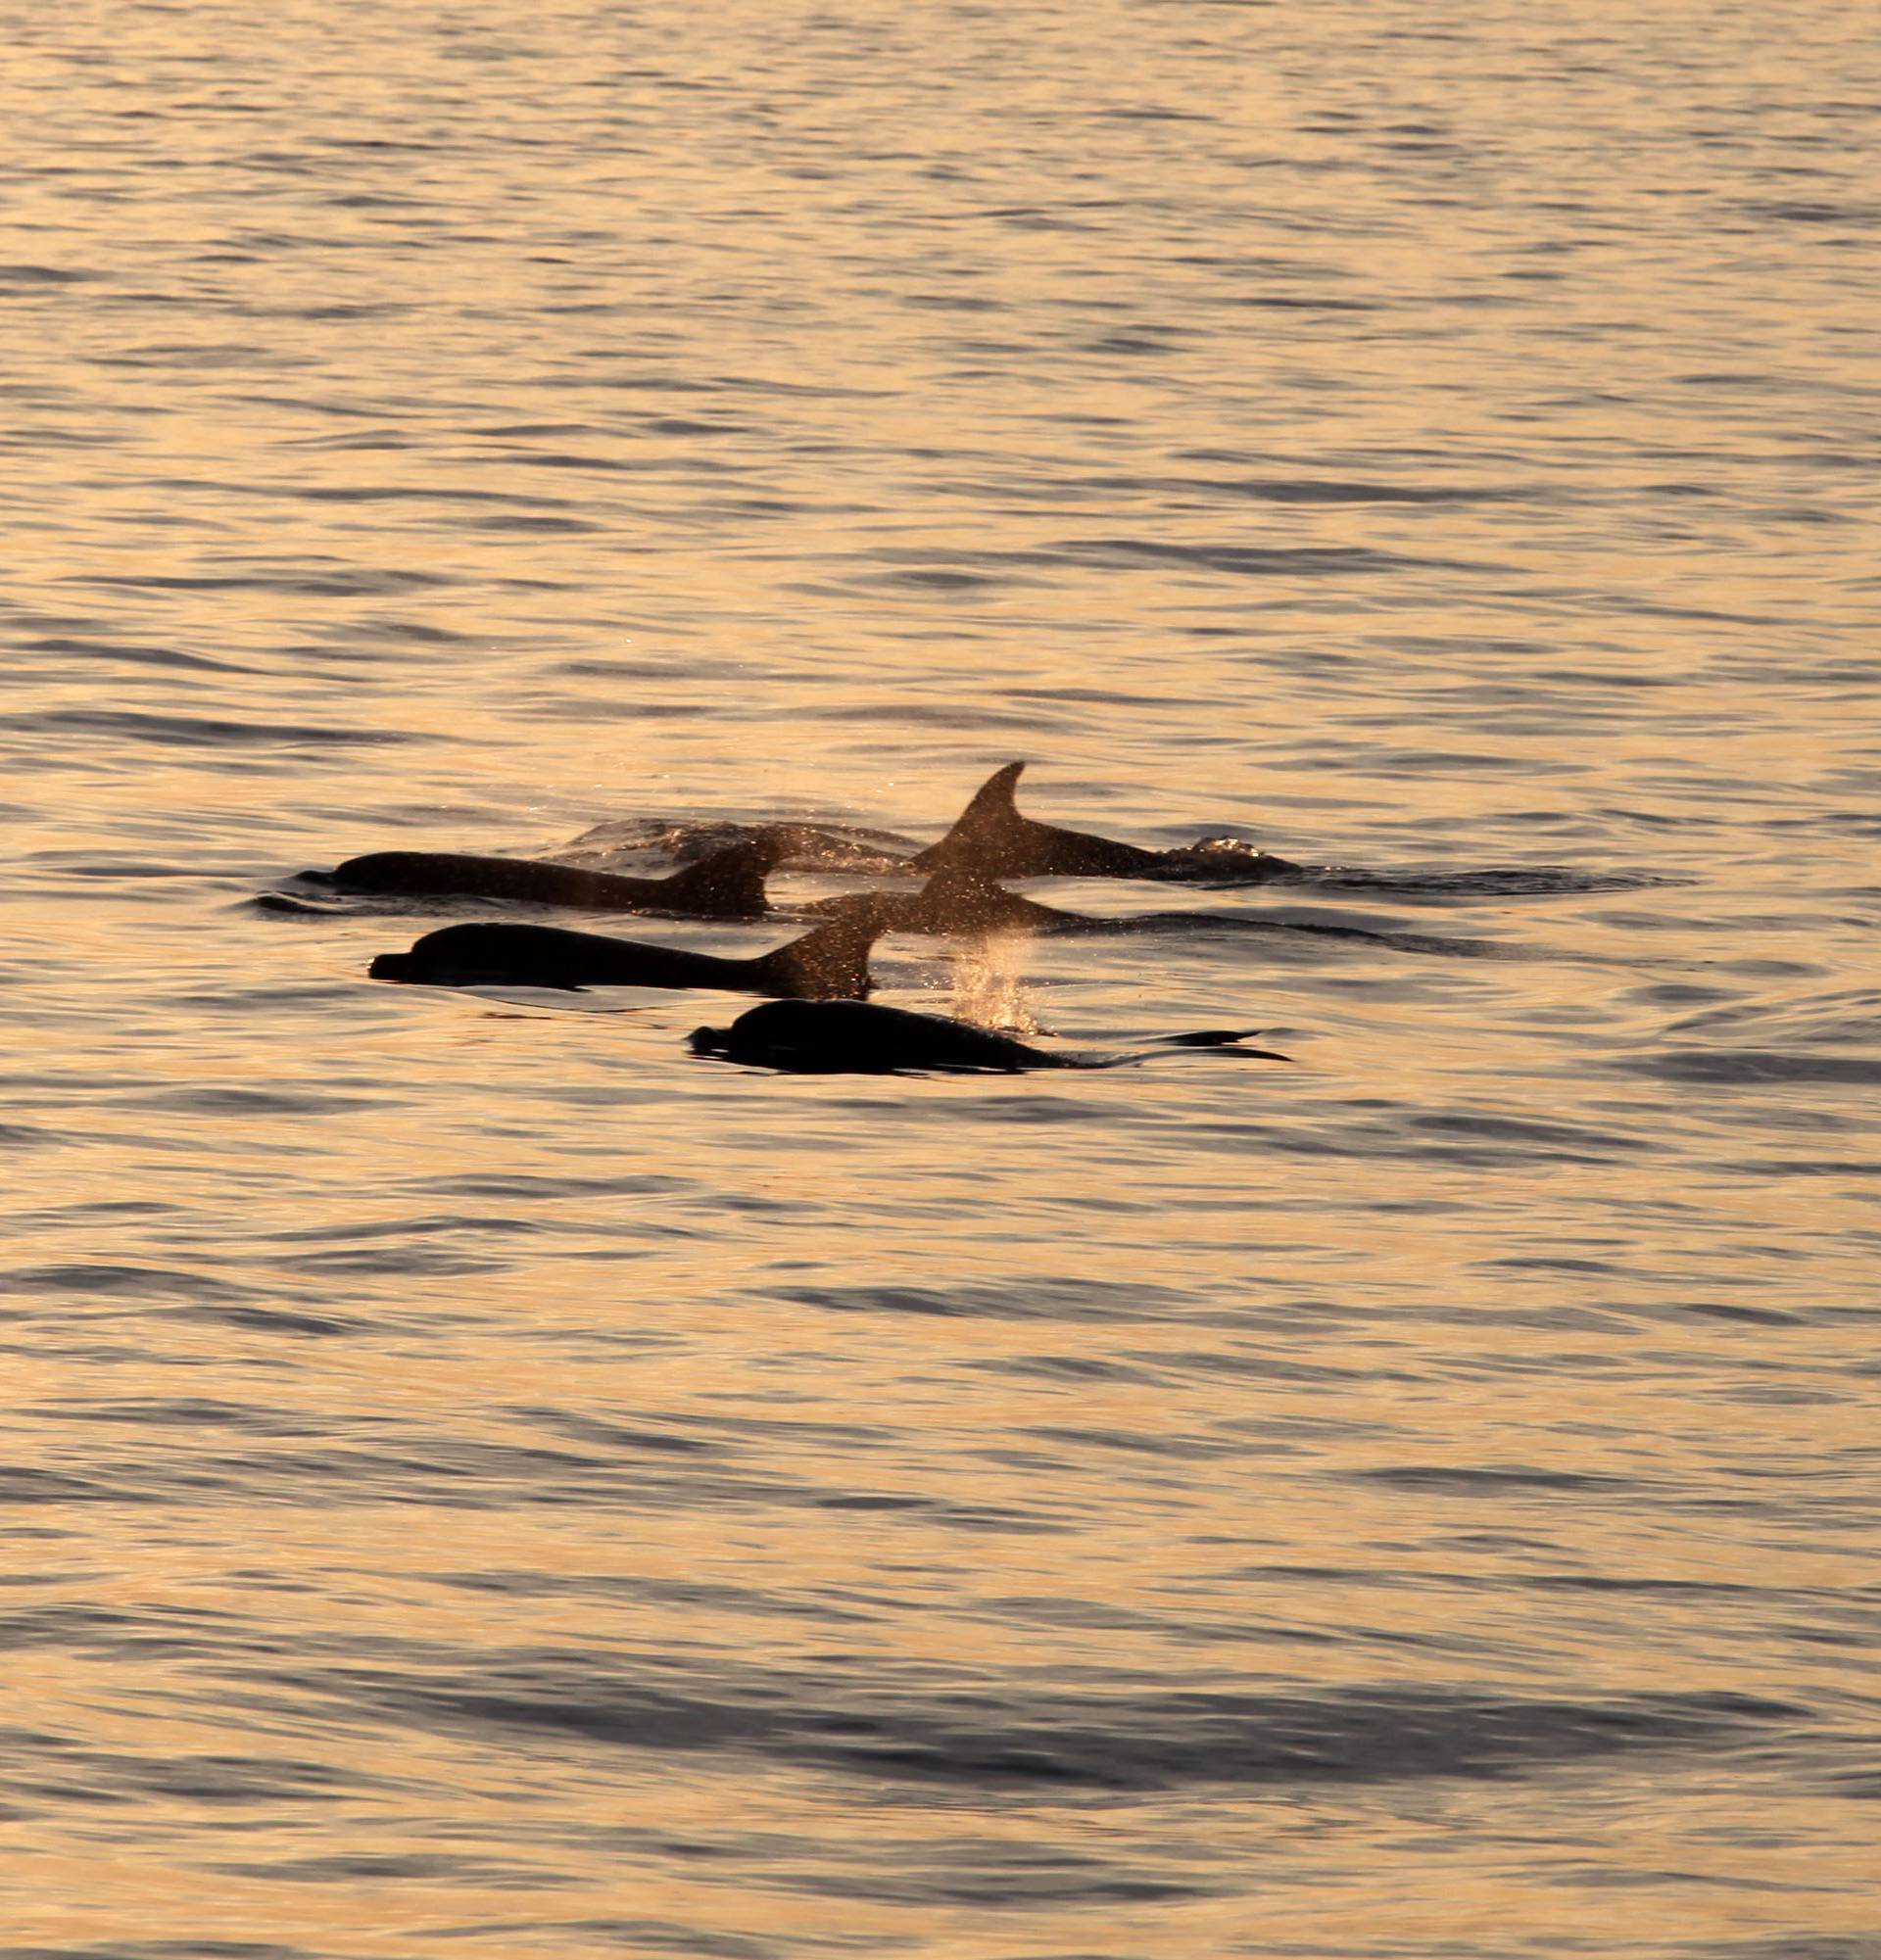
column 831, row 963
column 991, row 814
column 730, row 883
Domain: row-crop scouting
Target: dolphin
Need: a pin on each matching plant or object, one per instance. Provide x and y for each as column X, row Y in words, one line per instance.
column 992, row 837
column 728, row 884
column 957, row 902
column 829, row 963
column 959, row 899
column 827, row 1037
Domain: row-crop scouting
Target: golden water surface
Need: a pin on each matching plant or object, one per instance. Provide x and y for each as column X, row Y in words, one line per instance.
column 484, row 1481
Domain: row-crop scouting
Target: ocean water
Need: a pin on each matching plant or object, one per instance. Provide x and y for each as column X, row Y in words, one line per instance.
column 481, row 1481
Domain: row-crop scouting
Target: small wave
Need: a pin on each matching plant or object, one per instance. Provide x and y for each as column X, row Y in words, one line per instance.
column 48, row 277
column 1157, row 924
column 1539, row 881
column 223, row 1781
column 1302, row 303
column 276, row 1321
column 221, row 1101
column 144, row 656
column 1751, row 1068
column 1462, row 1480
column 377, row 1868
column 1225, row 862
column 1814, row 210
column 1078, row 1301
column 200, row 731
column 297, row 908
column 417, row 492
column 1260, row 562
column 1044, row 1742
column 94, row 1279
column 548, row 526
column 353, row 582
column 1304, row 490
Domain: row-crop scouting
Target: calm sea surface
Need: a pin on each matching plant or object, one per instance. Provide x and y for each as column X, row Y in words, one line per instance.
column 481, row 1481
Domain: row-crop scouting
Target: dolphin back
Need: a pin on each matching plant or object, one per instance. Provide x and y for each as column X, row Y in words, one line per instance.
column 851, row 1037
column 728, row 884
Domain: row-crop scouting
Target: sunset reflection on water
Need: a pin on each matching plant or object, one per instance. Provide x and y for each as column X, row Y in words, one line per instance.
column 484, row 1477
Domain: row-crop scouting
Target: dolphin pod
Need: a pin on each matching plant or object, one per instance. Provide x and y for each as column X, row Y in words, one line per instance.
column 989, row 841
column 829, row 963
column 817, row 1022
column 853, row 1037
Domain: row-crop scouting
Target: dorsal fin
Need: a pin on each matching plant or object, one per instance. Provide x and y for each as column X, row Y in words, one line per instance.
column 992, row 802
column 831, row 963
column 730, row 883
column 990, row 815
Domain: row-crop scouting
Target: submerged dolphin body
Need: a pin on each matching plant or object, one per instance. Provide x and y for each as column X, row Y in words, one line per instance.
column 958, row 900
column 990, row 838
column 829, row 963
column 728, row 884
column 828, row 1038
column 959, row 903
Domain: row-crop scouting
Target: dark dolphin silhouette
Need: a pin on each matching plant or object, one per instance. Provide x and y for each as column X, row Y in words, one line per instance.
column 728, row 884
column 991, row 836
column 829, row 963
column 828, row 1038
